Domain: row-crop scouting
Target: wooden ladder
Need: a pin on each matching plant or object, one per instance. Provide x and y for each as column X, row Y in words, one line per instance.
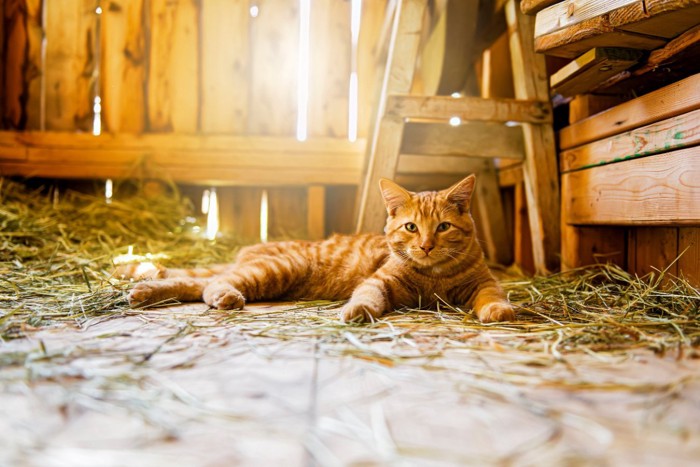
column 531, row 109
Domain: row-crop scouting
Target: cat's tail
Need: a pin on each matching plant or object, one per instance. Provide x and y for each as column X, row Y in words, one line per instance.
column 143, row 271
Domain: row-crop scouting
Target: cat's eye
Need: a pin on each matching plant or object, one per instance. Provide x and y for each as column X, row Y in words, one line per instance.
column 411, row 227
column 442, row 226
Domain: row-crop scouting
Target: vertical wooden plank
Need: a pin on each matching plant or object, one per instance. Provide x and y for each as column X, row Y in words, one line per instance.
column 13, row 114
column 329, row 77
column 497, row 73
column 34, row 67
column 70, row 62
column 225, row 73
column 274, row 55
column 173, row 74
column 124, row 59
column 496, row 240
column 340, row 209
column 2, row 62
column 523, row 239
column 585, row 105
column 540, row 167
column 240, row 212
column 651, row 249
column 288, row 212
column 689, row 245
column 315, row 212
column 368, row 62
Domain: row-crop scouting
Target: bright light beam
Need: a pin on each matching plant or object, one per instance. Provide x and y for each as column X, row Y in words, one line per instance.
column 303, row 71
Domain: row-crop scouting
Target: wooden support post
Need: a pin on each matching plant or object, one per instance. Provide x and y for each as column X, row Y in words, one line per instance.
column 497, row 241
column 540, row 166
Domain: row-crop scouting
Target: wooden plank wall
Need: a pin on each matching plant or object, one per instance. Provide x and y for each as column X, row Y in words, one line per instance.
column 193, row 67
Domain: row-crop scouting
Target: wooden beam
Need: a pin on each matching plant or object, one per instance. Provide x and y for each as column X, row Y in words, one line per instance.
column 223, row 160
column 574, row 40
column 667, row 102
column 660, row 18
column 656, row 190
column 673, row 133
column 316, row 212
column 592, row 68
column 468, row 109
column 689, row 249
column 568, row 13
column 473, row 139
column 532, row 7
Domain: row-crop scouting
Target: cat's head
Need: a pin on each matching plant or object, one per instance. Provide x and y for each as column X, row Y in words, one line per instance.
column 430, row 228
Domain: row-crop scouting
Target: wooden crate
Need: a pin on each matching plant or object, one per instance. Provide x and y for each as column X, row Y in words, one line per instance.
column 631, row 184
column 203, row 92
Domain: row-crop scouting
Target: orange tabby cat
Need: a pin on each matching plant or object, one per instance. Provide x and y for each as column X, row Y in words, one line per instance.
column 429, row 251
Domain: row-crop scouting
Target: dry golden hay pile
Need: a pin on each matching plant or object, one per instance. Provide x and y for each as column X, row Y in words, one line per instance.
column 57, row 257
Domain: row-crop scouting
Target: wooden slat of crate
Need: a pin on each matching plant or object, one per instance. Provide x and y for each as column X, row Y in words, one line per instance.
column 570, row 12
column 368, row 70
column 531, row 7
column 173, row 71
column 14, row 61
column 124, row 58
column 673, row 133
column 225, row 66
column 34, row 66
column 652, row 249
column 70, row 34
column 468, row 109
column 474, row 139
column 329, row 69
column 212, row 159
column 689, row 249
column 591, row 69
column 656, row 190
column 274, row 42
column 665, row 18
column 672, row 100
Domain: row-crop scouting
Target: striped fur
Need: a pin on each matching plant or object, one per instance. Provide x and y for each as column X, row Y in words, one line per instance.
column 429, row 250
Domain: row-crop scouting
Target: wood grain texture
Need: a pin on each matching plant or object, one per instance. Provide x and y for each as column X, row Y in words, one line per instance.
column 369, row 71
column 474, row 139
column 572, row 41
column 274, row 42
column 239, row 212
column 656, row 190
column 588, row 71
column 316, row 212
column 569, row 12
column 540, row 166
column 14, row 19
column 469, row 109
column 173, row 71
column 532, row 7
column 33, row 73
column 225, row 66
column 651, row 250
column 70, row 63
column 124, row 58
column 225, row 160
column 689, row 249
column 585, row 105
column 667, row 102
column 662, row 18
column 666, row 135
column 287, row 212
column 329, row 73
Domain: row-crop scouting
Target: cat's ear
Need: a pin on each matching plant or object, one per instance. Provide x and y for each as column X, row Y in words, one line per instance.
column 460, row 193
column 394, row 195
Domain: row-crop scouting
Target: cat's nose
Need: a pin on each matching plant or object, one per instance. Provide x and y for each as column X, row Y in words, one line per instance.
column 427, row 248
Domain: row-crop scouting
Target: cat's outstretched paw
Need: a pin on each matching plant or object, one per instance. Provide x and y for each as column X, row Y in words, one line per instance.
column 359, row 313
column 223, row 297
column 496, row 311
column 144, row 294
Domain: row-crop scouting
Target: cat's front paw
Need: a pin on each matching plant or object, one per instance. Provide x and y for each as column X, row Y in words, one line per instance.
column 352, row 312
column 223, row 297
column 143, row 294
column 496, row 311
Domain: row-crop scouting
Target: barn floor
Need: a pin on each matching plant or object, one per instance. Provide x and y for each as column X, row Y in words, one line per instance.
column 188, row 386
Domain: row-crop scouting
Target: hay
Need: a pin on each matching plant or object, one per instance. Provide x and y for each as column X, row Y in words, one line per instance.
column 56, row 265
